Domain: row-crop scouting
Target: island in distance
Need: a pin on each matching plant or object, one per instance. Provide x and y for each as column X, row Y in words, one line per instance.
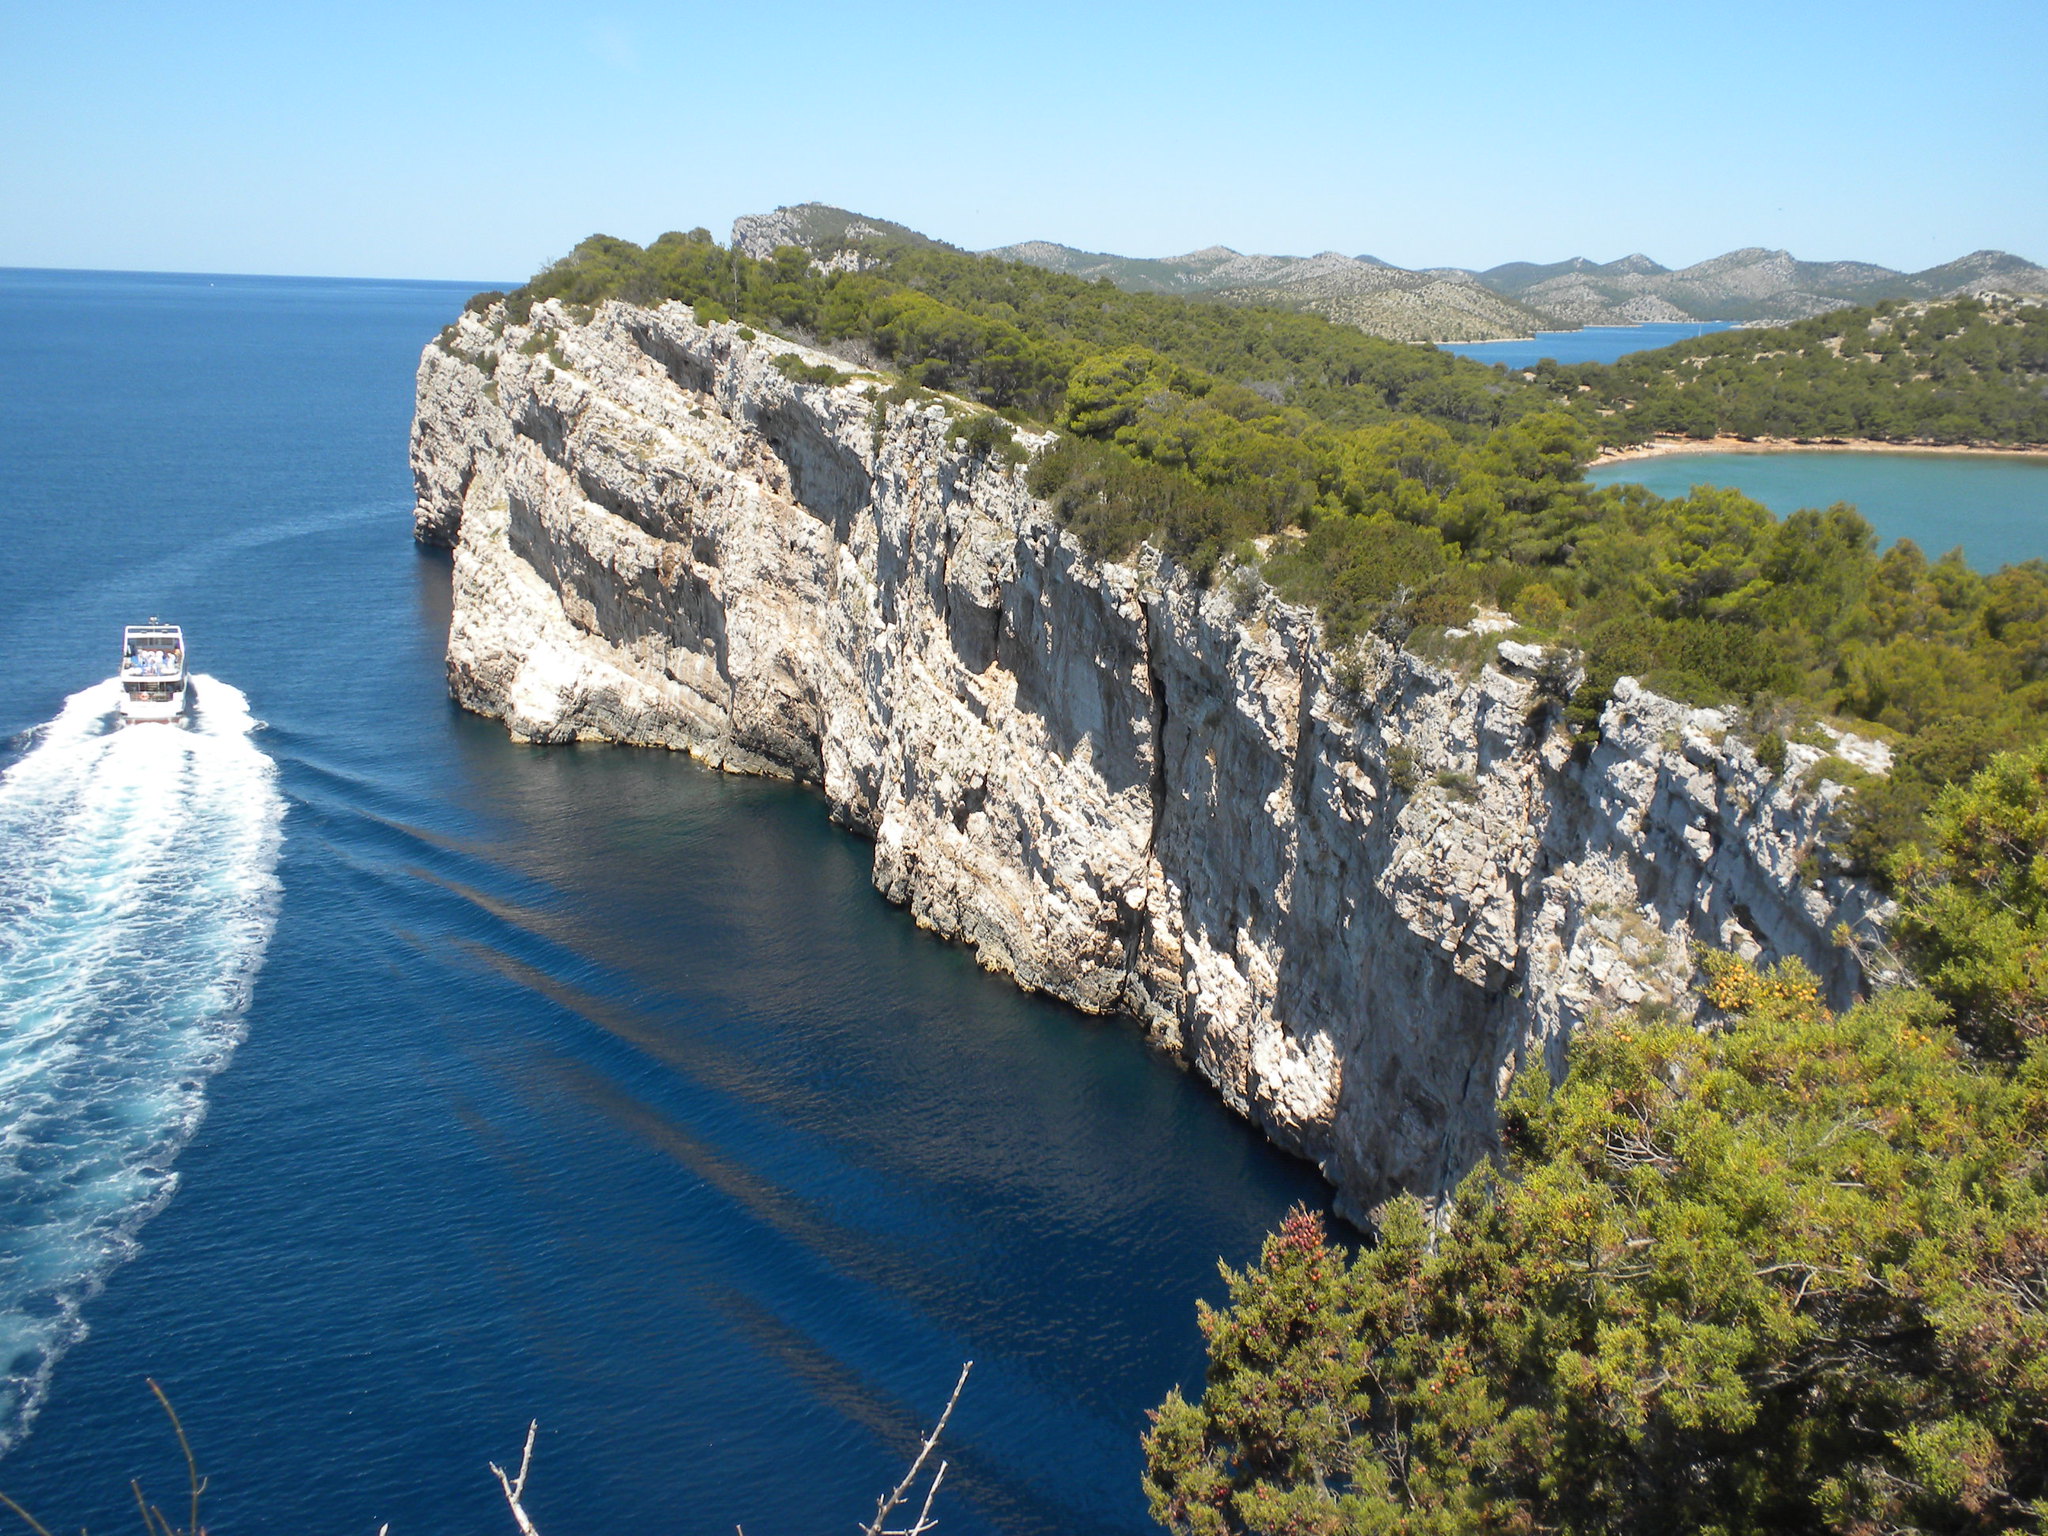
column 1454, row 304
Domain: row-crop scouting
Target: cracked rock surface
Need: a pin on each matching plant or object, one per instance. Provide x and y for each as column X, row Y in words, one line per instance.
column 1357, row 896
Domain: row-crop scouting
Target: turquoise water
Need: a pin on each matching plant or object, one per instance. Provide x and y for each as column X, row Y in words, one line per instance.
column 579, row 1084
column 1994, row 508
column 1594, row 344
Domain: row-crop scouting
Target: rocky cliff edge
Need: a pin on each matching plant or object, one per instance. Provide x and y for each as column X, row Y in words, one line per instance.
column 1355, row 893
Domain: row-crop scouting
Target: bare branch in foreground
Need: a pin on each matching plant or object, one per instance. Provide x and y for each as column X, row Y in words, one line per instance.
column 194, row 1480
column 515, row 1488
column 924, row 1516
column 33, row 1523
column 902, row 1489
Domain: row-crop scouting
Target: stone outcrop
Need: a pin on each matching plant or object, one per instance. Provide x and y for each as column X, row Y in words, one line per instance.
column 1356, row 892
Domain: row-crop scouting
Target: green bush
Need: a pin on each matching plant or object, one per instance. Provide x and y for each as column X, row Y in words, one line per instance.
column 1403, row 772
column 1459, row 786
column 987, row 435
column 1113, row 503
column 797, row 371
column 1779, row 1279
column 1974, row 910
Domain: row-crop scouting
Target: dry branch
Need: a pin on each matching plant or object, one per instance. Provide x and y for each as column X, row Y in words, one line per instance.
column 924, row 1452
column 515, row 1487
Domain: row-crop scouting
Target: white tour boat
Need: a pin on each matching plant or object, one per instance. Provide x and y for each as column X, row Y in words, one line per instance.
column 153, row 683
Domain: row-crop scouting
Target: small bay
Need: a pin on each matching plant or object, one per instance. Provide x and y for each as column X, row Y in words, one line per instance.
column 1592, row 344
column 1994, row 506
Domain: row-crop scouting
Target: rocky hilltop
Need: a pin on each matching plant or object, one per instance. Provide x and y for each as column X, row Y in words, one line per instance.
column 1751, row 287
column 1746, row 287
column 1356, row 892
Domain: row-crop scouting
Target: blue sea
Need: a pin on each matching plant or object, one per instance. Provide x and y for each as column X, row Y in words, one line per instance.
column 377, row 1085
column 1593, row 344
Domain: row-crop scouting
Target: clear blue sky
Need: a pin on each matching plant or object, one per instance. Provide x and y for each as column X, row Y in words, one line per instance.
column 472, row 141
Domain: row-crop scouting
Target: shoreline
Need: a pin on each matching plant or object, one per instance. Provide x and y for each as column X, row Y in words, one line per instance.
column 1590, row 325
column 1664, row 447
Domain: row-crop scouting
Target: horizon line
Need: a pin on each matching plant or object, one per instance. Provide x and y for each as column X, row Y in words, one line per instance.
column 318, row 277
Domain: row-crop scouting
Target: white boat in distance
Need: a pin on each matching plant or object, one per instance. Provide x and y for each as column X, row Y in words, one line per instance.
column 153, row 682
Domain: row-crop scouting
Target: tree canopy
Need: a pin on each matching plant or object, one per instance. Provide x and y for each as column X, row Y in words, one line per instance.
column 1960, row 372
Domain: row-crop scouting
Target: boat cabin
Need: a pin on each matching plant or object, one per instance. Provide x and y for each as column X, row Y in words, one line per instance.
column 152, row 670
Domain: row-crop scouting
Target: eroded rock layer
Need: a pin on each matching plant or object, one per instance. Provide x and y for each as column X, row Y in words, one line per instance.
column 1356, row 893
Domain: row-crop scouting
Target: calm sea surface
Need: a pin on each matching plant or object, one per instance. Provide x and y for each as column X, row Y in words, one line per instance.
column 461, row 1083
column 1594, row 344
column 1994, row 508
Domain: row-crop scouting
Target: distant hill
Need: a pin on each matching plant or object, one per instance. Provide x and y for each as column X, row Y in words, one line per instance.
column 1133, row 274
column 1751, row 286
column 1363, row 291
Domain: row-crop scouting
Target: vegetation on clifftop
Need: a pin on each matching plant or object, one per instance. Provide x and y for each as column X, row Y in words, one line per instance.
column 1395, row 487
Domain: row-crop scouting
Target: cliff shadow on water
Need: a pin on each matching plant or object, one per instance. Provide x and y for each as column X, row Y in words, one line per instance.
column 1357, row 894
column 575, row 1084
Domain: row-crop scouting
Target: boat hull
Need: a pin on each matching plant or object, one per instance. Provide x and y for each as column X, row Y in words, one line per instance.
column 154, row 711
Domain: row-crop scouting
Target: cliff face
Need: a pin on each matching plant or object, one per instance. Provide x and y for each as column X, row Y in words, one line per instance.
column 1356, row 895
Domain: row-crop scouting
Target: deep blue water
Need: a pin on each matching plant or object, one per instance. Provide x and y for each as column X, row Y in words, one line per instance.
column 1593, row 344
column 1992, row 507
column 577, row 1083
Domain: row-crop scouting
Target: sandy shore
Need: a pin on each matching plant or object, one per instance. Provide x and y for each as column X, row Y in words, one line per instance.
column 1658, row 448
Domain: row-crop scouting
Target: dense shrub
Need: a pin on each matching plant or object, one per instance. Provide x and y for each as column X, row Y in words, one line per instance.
column 1782, row 1278
column 987, row 436
column 1113, row 502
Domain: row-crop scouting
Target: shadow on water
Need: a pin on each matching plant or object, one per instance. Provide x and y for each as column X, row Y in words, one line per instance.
column 580, row 1083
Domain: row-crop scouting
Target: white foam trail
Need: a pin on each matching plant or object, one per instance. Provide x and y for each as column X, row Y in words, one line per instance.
column 138, row 889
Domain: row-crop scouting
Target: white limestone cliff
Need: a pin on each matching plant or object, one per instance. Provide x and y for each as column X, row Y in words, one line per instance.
column 1355, row 894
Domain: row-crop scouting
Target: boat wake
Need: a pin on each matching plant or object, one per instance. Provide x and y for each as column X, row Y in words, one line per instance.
column 138, row 889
